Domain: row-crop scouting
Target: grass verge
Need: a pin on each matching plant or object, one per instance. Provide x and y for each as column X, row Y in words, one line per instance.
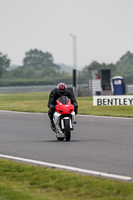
column 27, row 182
column 37, row 102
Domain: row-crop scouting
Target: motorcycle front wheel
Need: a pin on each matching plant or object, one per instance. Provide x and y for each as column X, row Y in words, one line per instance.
column 67, row 130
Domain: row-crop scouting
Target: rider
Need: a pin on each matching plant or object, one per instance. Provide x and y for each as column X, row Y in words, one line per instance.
column 61, row 90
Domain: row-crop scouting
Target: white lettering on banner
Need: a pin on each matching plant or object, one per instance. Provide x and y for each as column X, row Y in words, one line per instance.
column 116, row 100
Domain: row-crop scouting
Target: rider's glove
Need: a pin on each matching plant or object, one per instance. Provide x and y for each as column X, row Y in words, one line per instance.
column 52, row 108
column 75, row 105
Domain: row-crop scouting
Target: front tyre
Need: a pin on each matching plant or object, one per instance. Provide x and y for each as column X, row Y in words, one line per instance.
column 60, row 139
column 67, row 130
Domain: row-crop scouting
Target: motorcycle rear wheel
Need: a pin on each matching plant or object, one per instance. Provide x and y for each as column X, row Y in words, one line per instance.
column 67, row 130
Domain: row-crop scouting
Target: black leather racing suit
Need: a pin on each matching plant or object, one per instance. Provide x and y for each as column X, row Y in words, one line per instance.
column 54, row 96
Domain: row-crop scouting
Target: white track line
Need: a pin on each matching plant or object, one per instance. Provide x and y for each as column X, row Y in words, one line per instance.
column 74, row 169
column 19, row 112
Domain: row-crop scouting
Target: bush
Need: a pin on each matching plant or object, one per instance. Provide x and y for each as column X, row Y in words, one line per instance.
column 29, row 82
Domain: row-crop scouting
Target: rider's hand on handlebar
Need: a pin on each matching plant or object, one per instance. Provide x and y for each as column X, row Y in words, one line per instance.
column 53, row 108
column 75, row 105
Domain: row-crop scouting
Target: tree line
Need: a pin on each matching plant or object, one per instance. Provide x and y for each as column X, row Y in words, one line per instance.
column 39, row 68
column 123, row 67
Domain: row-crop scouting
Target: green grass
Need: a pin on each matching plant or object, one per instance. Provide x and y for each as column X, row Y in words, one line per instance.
column 27, row 182
column 86, row 107
column 26, row 102
column 37, row 102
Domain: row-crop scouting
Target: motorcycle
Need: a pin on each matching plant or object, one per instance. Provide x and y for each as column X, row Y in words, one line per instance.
column 64, row 118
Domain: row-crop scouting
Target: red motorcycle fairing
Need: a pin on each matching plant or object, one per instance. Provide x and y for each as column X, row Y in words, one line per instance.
column 64, row 109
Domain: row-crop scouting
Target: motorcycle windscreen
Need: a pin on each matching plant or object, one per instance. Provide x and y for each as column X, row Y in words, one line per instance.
column 63, row 99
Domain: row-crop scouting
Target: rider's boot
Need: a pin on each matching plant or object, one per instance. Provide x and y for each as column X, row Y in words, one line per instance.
column 52, row 125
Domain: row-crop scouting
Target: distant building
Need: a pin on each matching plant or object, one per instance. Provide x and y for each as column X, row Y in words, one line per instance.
column 100, row 80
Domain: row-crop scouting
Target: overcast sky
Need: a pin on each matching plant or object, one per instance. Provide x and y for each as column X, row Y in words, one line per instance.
column 103, row 28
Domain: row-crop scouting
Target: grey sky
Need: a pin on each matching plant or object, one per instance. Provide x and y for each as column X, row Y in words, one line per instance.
column 104, row 29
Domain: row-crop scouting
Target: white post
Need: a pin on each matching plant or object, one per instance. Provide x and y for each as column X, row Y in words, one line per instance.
column 74, row 60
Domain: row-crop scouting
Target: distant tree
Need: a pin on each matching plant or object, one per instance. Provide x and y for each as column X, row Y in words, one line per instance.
column 39, row 59
column 124, row 66
column 4, row 63
column 20, row 72
column 127, row 58
column 95, row 65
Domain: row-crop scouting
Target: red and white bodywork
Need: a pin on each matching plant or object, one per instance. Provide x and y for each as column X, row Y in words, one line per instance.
column 64, row 118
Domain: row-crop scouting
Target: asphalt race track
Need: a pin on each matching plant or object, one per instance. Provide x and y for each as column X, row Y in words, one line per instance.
column 102, row 144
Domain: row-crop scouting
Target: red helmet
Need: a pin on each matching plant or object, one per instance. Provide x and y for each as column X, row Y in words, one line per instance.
column 62, row 89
